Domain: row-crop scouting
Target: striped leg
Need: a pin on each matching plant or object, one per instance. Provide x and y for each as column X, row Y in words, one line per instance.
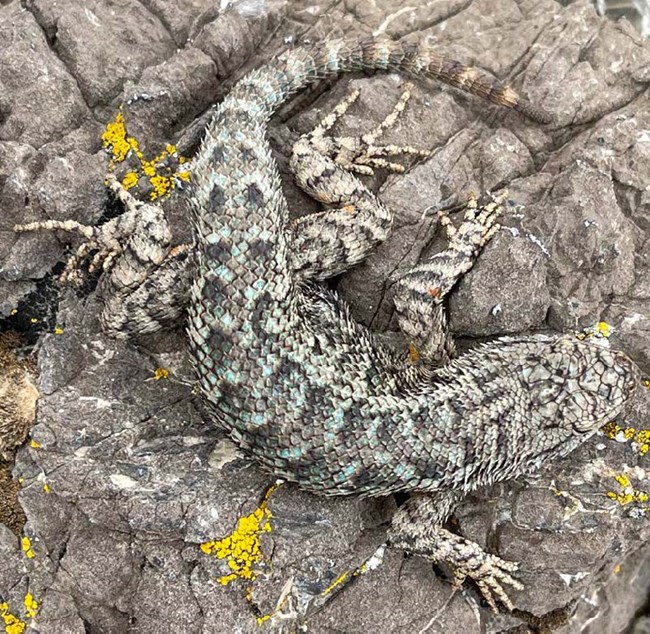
column 145, row 285
column 419, row 294
column 328, row 243
column 416, row 528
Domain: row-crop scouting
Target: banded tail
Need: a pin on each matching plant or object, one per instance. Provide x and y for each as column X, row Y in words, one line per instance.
column 299, row 68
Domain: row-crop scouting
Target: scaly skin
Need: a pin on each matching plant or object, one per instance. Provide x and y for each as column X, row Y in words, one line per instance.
column 291, row 377
column 309, row 393
column 315, row 398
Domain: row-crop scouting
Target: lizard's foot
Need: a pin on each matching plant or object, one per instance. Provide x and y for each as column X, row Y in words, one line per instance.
column 479, row 223
column 105, row 247
column 355, row 220
column 362, row 154
column 467, row 560
column 106, row 242
column 145, row 282
column 420, row 291
column 489, row 572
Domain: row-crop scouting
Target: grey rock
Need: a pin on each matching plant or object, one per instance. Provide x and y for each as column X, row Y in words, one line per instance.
column 86, row 201
column 507, row 292
column 592, row 237
column 231, row 36
column 129, row 39
column 137, row 480
column 569, row 52
column 33, row 111
column 178, row 17
column 642, row 626
column 15, row 179
column 168, row 96
column 33, row 192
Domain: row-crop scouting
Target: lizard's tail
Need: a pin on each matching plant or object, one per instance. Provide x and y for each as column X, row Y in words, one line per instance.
column 298, row 68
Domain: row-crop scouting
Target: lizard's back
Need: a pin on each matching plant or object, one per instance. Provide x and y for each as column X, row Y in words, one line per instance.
column 311, row 394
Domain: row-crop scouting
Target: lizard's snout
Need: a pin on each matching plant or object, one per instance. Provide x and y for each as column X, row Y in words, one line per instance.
column 608, row 383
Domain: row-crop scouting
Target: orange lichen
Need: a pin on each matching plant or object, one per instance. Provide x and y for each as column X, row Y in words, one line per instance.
column 414, row 355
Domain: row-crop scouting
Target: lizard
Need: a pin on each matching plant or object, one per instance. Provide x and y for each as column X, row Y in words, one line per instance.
column 307, row 392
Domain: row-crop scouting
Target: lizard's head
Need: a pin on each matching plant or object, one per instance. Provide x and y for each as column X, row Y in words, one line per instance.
column 584, row 386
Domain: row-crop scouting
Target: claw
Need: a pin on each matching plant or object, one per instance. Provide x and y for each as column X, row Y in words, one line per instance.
column 489, row 572
column 412, row 529
column 362, row 155
column 96, row 239
column 479, row 223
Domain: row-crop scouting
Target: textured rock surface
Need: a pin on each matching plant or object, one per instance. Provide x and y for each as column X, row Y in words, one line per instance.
column 129, row 480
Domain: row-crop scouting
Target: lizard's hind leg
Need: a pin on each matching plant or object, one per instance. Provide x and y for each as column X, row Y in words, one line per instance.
column 145, row 282
column 328, row 243
column 416, row 528
column 419, row 293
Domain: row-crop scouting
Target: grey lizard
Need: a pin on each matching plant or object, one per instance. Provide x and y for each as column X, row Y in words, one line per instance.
column 311, row 395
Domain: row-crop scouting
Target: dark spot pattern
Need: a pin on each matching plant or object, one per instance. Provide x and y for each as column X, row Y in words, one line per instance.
column 255, row 196
column 217, row 199
column 218, row 155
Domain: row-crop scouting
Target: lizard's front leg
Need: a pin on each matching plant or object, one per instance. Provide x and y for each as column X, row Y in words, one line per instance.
column 145, row 282
column 420, row 292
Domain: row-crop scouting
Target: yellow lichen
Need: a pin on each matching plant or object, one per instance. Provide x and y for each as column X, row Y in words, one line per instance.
column 628, row 494
column 643, row 440
column 34, row 444
column 337, row 582
column 13, row 624
column 601, row 329
column 242, row 548
column 161, row 373
column 58, row 330
column 130, row 180
column 120, row 144
column 641, row 437
column 46, row 488
column 344, row 579
column 604, row 329
column 31, row 606
column 115, row 139
column 26, row 544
